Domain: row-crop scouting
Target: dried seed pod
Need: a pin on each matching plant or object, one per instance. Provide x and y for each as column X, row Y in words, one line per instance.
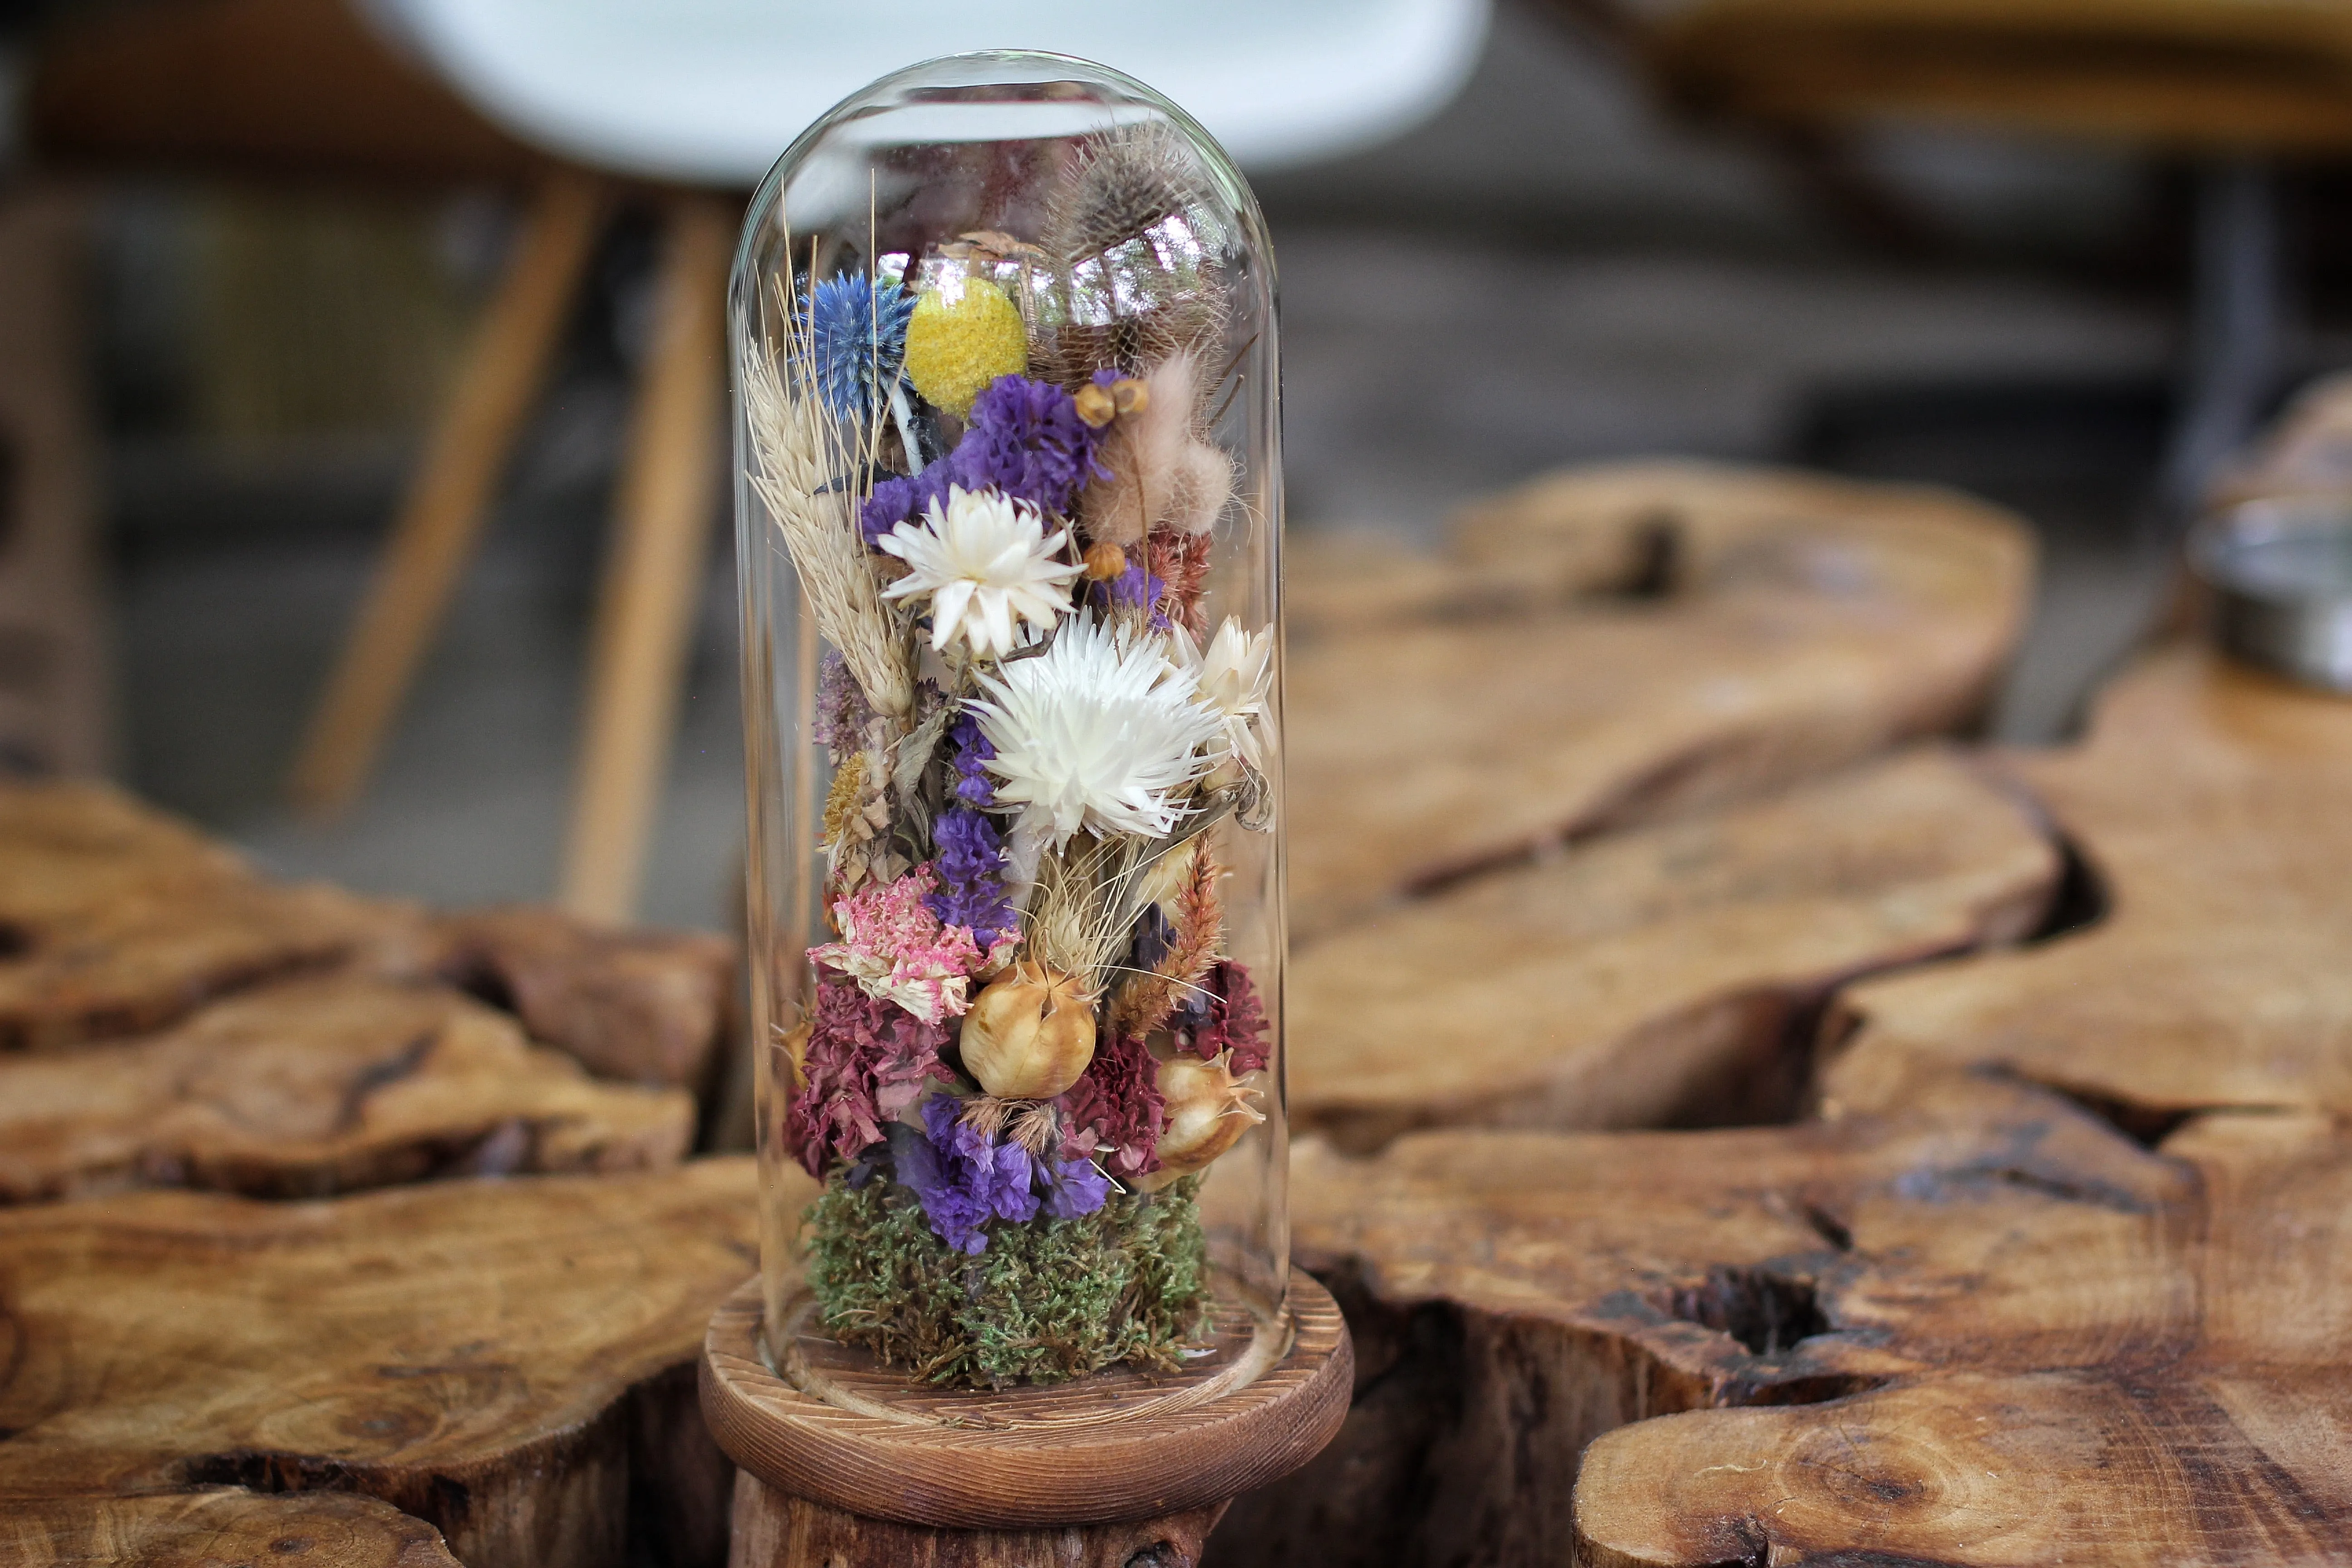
column 1208, row 1109
column 1095, row 405
column 1029, row 1034
column 1138, row 250
column 1105, row 561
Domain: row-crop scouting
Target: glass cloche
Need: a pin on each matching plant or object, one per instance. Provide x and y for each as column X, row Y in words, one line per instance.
column 1010, row 523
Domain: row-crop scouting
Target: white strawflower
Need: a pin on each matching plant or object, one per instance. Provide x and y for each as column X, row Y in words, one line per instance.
column 987, row 565
column 1234, row 676
column 1098, row 731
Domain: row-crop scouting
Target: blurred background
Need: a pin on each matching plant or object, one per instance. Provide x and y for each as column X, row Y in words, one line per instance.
column 272, row 269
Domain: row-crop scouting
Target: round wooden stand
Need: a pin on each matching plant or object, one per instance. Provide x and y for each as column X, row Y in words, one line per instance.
column 1122, row 1469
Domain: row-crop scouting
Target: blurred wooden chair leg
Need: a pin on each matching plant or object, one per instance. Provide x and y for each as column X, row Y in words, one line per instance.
column 56, row 713
column 652, row 580
column 442, row 516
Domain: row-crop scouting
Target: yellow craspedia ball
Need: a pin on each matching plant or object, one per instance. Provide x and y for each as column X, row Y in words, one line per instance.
column 956, row 347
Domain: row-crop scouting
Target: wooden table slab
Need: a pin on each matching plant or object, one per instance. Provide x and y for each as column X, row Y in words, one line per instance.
column 1618, row 644
column 216, row 1527
column 115, row 918
column 1667, row 976
column 2062, row 1275
column 168, row 1017
column 2216, row 805
column 318, row 1086
column 511, row 1362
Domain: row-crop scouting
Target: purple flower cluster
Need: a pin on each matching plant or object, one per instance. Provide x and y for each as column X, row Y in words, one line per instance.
column 1023, row 436
column 1135, row 587
column 841, row 708
column 963, row 1178
column 1026, row 437
column 970, row 860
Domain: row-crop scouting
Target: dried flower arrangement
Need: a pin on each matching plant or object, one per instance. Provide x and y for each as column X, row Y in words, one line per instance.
column 992, row 466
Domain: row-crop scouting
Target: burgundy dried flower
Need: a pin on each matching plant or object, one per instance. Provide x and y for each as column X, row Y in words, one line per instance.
column 866, row 1062
column 1229, row 1018
column 1116, row 1112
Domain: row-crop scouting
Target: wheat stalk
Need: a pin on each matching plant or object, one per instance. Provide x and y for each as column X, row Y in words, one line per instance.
column 1145, row 1002
column 815, row 513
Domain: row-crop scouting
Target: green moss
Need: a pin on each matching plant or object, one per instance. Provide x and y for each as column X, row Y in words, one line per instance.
column 1048, row 1300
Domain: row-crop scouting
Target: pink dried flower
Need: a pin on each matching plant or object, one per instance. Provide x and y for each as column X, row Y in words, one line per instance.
column 896, row 949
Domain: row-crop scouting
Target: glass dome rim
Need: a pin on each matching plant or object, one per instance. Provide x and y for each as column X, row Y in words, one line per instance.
column 1238, row 192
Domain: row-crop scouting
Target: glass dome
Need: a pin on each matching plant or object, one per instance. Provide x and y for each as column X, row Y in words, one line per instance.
column 1010, row 519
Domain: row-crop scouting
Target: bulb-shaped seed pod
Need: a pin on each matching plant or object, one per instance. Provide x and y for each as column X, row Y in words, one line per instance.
column 1029, row 1034
column 1208, row 1109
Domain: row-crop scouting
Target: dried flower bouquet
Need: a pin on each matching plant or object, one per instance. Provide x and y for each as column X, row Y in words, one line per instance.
column 990, row 464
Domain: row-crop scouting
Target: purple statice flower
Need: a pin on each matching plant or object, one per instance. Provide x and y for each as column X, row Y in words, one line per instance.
column 841, row 708
column 975, row 786
column 1023, row 436
column 962, row 1177
column 1135, row 588
column 1026, row 437
column 906, row 499
column 1073, row 1187
column 969, row 865
column 970, row 860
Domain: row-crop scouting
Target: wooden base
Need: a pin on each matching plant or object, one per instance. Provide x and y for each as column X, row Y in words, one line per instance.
column 1100, row 1470
column 773, row 1529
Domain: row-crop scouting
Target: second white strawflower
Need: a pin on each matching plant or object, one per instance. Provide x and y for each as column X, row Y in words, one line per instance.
column 1236, row 676
column 1100, row 732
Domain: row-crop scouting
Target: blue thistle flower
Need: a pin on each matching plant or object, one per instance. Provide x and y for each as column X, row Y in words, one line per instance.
column 857, row 336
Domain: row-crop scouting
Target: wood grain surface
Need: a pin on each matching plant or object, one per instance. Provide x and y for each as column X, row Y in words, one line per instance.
column 510, row 1361
column 214, row 1528
column 321, row 1086
column 1992, row 1331
column 1619, row 644
column 642, row 1007
column 774, row 1529
column 2212, row 802
column 1667, row 975
column 168, row 1017
column 1123, row 1445
column 115, row 918
column 2060, row 1277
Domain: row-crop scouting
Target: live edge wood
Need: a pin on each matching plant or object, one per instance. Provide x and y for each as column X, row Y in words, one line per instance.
column 116, row 919
column 1671, row 976
column 320, row 1085
column 510, row 1362
column 214, row 1528
column 1618, row 644
column 2212, row 802
column 1030, row 1459
column 2061, row 1274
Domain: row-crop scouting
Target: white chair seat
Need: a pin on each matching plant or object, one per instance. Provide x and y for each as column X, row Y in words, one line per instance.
column 710, row 91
